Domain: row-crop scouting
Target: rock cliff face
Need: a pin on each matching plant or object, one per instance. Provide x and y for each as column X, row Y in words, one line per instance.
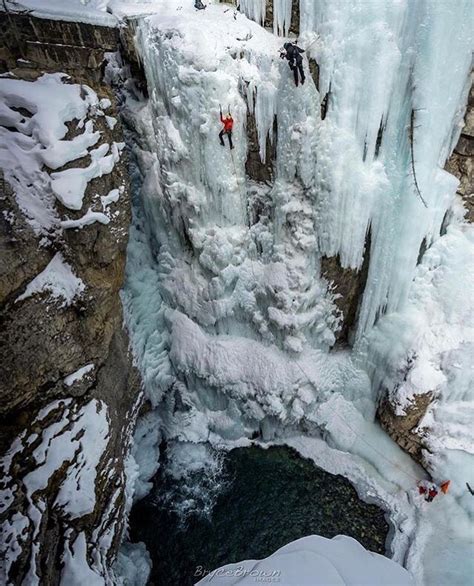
column 348, row 285
column 404, row 428
column 461, row 162
column 56, row 45
column 69, row 392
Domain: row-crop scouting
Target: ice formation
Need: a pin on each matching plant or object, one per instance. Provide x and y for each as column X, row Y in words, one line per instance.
column 230, row 321
column 314, row 561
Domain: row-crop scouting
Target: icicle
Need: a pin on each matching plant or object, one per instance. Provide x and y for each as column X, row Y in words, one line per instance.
column 263, row 103
column 362, row 180
column 282, row 16
column 254, row 9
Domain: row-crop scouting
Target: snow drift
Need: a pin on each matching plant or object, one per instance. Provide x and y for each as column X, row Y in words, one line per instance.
column 314, row 561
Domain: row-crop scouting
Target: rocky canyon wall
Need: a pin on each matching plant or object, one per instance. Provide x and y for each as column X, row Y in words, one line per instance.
column 69, row 392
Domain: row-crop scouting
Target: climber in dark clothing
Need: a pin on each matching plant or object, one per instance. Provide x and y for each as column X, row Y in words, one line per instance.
column 199, row 5
column 295, row 61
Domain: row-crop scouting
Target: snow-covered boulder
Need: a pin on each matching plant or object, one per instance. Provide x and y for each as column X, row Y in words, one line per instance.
column 314, row 561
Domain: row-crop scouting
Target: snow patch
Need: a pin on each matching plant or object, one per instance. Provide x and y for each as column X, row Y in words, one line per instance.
column 90, row 217
column 86, row 11
column 29, row 142
column 33, row 125
column 112, row 197
column 70, row 185
column 78, row 375
column 76, row 571
column 58, row 279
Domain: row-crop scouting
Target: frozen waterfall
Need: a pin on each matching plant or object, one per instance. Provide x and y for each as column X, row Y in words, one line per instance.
column 232, row 324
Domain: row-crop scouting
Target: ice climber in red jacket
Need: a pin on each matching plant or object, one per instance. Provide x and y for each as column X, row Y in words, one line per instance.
column 228, row 123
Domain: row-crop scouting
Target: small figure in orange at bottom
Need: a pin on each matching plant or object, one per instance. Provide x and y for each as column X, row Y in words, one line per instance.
column 444, row 486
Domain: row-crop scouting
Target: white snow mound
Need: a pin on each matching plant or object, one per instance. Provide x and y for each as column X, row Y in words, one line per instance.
column 314, row 561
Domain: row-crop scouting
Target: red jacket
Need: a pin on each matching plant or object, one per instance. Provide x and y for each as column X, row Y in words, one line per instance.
column 228, row 123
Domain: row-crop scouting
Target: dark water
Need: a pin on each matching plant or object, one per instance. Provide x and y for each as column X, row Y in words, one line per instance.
column 271, row 497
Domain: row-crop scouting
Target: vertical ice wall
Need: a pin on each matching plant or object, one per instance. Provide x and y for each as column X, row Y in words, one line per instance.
column 395, row 73
column 199, row 206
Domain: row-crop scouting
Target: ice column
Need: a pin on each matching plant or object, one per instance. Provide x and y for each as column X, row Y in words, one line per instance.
column 254, row 9
column 282, row 16
column 394, row 74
